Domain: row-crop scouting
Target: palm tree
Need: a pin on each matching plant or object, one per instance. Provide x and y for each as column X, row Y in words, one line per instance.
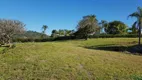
column 103, row 24
column 134, row 29
column 138, row 15
column 44, row 27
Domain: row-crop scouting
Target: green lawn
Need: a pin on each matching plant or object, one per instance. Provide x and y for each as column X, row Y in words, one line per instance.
column 1, row 49
column 71, row 60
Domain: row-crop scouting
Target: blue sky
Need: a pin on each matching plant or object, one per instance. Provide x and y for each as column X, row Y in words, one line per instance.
column 65, row 14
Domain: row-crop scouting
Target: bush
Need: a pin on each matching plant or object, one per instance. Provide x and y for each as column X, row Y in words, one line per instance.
column 32, row 40
column 114, row 36
column 65, row 38
column 74, row 37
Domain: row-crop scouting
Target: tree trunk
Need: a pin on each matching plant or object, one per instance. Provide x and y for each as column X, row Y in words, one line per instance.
column 139, row 35
column 86, row 37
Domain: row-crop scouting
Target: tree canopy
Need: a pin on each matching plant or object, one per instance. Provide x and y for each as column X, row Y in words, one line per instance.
column 116, row 27
column 62, row 32
column 8, row 28
column 88, row 25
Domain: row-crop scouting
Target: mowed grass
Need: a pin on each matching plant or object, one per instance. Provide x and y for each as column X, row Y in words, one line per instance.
column 1, row 49
column 70, row 60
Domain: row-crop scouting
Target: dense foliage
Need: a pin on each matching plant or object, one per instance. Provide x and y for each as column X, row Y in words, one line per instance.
column 28, row 39
column 88, row 25
column 116, row 27
column 61, row 32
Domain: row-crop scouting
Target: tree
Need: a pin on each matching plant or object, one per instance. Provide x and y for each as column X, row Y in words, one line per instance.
column 134, row 29
column 138, row 23
column 44, row 28
column 103, row 24
column 116, row 27
column 8, row 28
column 54, row 33
column 88, row 25
column 68, row 32
column 61, row 32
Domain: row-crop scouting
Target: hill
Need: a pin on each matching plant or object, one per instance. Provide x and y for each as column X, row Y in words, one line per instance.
column 30, row 34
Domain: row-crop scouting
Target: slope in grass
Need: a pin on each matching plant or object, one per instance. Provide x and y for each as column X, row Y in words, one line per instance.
column 70, row 60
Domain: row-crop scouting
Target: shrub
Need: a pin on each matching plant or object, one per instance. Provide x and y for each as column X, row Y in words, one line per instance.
column 114, row 36
column 74, row 37
column 65, row 38
column 32, row 39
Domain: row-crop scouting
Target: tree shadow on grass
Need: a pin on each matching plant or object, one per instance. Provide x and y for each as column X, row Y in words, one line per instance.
column 135, row 49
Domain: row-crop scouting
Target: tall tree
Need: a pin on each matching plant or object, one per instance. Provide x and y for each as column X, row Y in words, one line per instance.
column 138, row 16
column 54, row 33
column 44, row 28
column 88, row 25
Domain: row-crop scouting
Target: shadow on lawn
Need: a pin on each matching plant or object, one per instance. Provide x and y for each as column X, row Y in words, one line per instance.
column 129, row 49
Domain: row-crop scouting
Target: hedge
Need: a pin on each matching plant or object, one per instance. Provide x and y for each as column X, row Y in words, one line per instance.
column 73, row 37
column 32, row 40
column 114, row 36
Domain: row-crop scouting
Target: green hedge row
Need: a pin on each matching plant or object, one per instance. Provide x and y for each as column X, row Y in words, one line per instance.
column 73, row 37
column 32, row 40
column 114, row 36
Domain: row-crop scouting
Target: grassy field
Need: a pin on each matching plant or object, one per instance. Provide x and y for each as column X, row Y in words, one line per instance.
column 1, row 49
column 71, row 60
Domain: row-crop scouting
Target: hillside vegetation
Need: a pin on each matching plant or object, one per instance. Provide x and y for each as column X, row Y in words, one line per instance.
column 73, row 60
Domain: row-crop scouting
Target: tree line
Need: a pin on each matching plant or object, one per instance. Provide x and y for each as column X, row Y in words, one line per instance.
column 62, row 32
column 89, row 25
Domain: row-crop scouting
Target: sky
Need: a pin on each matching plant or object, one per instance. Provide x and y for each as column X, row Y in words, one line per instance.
column 65, row 14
